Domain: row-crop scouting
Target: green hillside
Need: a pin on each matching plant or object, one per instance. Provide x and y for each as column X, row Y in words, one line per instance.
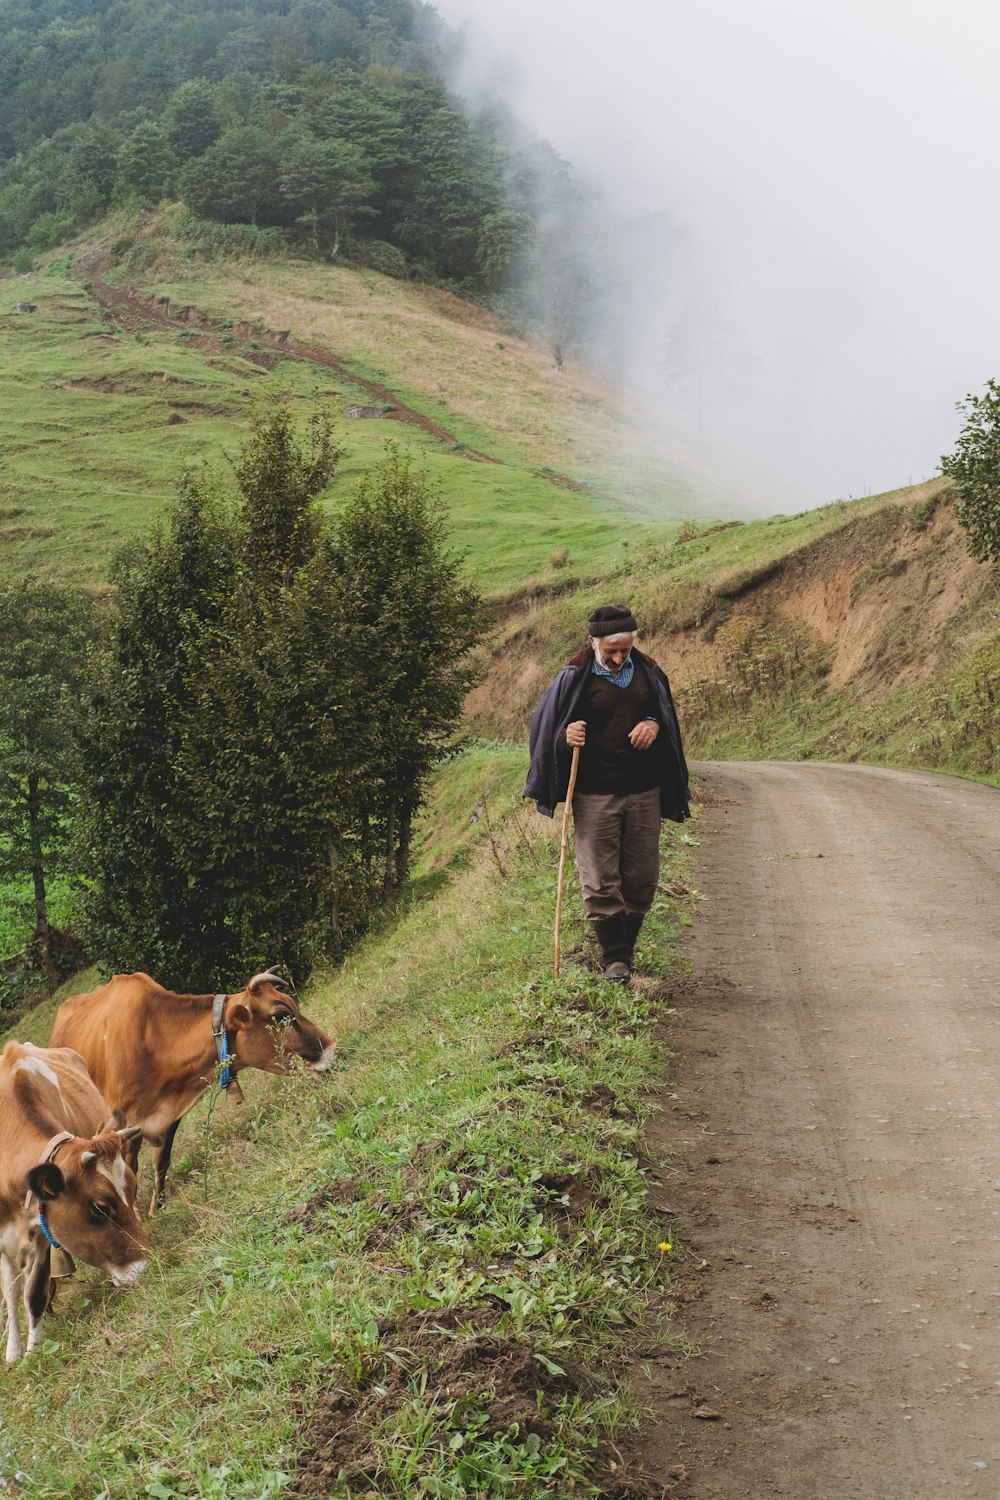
column 451, row 1242
column 102, row 407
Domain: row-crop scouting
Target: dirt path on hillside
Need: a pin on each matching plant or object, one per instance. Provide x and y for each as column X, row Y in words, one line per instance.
column 834, row 1133
column 131, row 310
column 262, row 346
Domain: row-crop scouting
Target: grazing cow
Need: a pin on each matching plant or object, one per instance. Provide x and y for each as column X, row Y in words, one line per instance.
column 153, row 1054
column 64, row 1183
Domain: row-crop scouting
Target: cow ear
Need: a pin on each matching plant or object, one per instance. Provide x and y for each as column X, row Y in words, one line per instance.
column 46, row 1181
column 238, row 1016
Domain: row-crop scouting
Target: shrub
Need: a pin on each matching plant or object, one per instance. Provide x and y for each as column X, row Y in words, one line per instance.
column 379, row 255
column 975, row 469
column 974, row 709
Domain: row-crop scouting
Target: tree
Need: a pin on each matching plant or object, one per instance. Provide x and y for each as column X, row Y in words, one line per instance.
column 564, row 290
column 212, row 748
column 235, row 180
column 449, row 183
column 504, row 239
column 45, row 634
column 191, row 119
column 169, row 589
column 403, row 593
column 974, row 468
column 93, row 163
column 146, row 162
column 326, row 186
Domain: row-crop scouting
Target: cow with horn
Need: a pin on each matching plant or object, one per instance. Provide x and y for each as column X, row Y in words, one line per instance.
column 153, row 1053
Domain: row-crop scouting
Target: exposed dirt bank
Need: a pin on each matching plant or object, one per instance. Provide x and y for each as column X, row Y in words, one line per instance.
column 885, row 594
column 885, row 601
column 834, row 1129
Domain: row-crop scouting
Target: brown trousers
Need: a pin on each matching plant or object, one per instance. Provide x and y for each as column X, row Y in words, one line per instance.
column 617, row 851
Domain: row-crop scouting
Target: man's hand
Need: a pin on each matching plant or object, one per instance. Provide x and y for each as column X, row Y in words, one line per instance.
column 576, row 733
column 643, row 734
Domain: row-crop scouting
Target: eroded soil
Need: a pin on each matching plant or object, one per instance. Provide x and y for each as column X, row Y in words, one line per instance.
column 832, row 1134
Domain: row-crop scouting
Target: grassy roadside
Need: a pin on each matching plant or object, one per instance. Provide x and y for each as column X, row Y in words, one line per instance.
column 417, row 1278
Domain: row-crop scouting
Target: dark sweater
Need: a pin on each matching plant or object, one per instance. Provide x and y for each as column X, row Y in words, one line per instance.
column 610, row 764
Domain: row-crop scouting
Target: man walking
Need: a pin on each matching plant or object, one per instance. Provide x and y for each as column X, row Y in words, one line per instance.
column 615, row 703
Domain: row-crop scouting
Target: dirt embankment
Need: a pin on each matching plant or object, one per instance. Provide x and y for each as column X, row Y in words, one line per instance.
column 883, row 595
column 886, row 600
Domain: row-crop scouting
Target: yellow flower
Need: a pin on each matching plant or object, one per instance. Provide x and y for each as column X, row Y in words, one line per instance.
column 666, row 1246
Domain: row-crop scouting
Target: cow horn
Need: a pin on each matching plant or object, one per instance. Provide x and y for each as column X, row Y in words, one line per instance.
column 87, row 1157
column 268, row 977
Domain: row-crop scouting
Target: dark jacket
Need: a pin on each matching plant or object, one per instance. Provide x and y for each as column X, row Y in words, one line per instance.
column 548, row 776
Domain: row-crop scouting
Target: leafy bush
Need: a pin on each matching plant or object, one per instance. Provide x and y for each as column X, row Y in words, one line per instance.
column 209, row 240
column 975, row 469
column 974, row 704
column 379, row 255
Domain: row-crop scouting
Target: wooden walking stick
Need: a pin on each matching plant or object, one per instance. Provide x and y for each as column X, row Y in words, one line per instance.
column 562, row 850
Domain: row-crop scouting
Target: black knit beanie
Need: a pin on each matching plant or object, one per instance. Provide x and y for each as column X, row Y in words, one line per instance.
column 611, row 619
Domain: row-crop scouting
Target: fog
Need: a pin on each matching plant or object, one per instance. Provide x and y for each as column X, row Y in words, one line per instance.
column 827, row 291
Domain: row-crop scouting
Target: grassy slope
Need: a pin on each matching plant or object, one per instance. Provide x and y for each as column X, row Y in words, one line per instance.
column 465, row 1187
column 96, row 422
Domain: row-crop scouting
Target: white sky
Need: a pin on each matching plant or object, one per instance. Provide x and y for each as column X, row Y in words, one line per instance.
column 835, row 165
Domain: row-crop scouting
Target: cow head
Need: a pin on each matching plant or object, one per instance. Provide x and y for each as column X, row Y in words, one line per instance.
column 271, row 1031
column 87, row 1198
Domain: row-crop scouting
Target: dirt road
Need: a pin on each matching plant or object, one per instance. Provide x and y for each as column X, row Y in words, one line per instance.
column 834, row 1142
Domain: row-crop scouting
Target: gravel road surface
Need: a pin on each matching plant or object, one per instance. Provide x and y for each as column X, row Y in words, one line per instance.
column 832, row 1142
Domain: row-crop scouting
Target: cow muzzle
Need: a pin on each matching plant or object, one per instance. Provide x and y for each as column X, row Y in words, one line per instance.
column 127, row 1275
column 326, row 1062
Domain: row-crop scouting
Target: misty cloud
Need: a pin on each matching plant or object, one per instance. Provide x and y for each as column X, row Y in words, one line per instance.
column 825, row 293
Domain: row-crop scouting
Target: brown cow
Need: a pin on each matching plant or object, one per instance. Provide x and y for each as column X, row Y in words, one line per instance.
column 153, row 1054
column 63, row 1181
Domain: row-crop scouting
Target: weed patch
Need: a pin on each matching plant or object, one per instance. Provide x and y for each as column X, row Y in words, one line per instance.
column 448, row 1385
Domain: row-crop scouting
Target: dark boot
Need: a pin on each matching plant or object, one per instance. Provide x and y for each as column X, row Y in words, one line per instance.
column 633, row 921
column 612, row 936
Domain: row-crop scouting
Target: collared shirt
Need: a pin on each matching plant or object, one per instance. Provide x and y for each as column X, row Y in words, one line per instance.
column 621, row 678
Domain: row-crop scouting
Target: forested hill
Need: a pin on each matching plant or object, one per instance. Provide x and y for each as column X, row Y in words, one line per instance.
column 325, row 123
